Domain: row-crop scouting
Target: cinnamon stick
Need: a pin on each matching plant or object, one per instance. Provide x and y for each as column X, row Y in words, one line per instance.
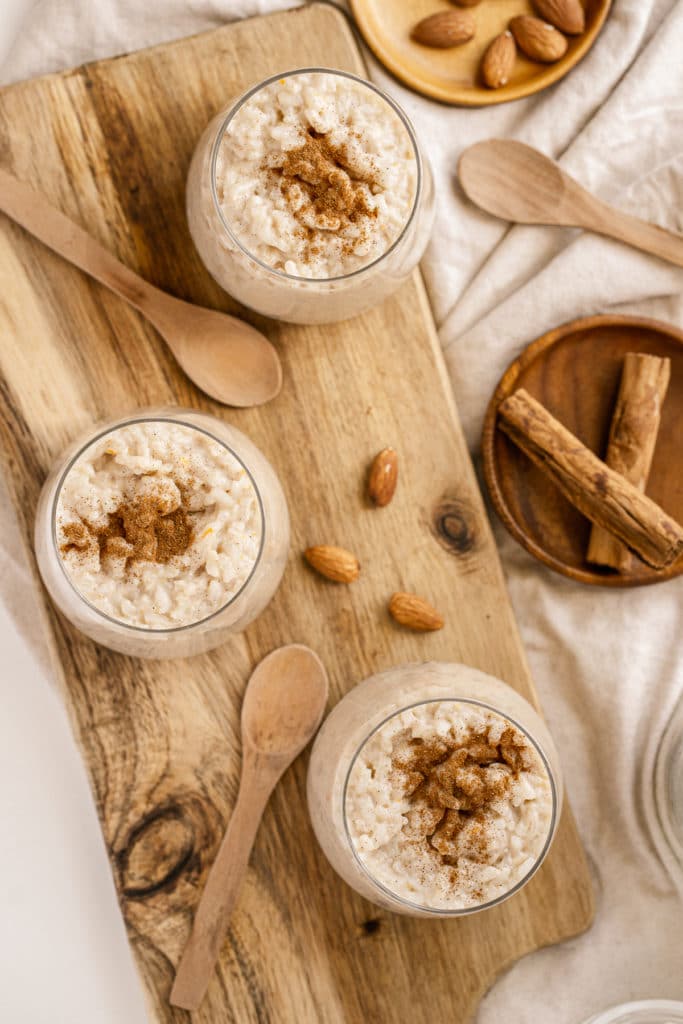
column 603, row 495
column 632, row 439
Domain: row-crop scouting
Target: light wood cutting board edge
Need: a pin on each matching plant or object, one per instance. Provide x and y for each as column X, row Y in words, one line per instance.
column 47, row 612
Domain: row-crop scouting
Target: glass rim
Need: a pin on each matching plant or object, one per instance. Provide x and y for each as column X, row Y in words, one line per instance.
column 122, row 624
column 456, row 911
column 618, row 1014
column 239, row 103
column 667, row 748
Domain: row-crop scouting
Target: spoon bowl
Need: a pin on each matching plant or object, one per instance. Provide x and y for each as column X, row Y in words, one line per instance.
column 512, row 181
column 284, row 702
column 226, row 358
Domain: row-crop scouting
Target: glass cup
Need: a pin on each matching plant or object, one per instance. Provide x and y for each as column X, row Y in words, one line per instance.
column 646, row 1011
column 272, row 291
column 196, row 636
column 360, row 714
column 669, row 783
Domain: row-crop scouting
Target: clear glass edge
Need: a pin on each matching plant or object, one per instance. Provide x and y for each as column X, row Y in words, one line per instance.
column 623, row 1010
column 662, row 782
column 126, row 421
column 316, row 281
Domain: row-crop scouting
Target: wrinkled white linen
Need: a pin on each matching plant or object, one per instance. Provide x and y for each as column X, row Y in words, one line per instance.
column 607, row 665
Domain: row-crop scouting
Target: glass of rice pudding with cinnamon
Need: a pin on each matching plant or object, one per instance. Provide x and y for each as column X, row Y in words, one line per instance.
column 162, row 533
column 434, row 790
column 308, row 198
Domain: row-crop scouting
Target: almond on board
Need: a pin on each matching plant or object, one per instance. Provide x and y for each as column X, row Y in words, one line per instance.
column 414, row 612
column 383, row 477
column 333, row 563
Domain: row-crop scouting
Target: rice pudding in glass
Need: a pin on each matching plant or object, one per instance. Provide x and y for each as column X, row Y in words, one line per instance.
column 308, row 198
column 162, row 533
column 434, row 790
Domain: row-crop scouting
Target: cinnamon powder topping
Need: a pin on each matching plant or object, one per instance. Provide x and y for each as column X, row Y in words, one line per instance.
column 452, row 786
column 326, row 192
column 140, row 530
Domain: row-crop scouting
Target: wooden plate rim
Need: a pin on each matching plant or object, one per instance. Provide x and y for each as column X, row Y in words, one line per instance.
column 478, row 96
column 504, row 388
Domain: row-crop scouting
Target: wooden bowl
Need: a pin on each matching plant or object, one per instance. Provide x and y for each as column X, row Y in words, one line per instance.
column 575, row 371
column 453, row 75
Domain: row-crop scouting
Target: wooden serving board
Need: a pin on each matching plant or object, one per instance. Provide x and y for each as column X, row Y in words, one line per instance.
column 110, row 145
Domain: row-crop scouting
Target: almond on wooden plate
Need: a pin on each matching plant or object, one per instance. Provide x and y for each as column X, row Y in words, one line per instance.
column 414, row 612
column 383, row 477
column 445, row 28
column 333, row 563
column 499, row 60
column 537, row 39
column 567, row 15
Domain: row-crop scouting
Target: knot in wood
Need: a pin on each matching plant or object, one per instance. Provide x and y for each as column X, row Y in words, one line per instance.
column 453, row 527
column 157, row 852
column 371, row 926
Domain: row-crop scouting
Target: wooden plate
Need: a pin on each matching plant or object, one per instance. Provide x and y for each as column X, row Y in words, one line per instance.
column 575, row 371
column 453, row 75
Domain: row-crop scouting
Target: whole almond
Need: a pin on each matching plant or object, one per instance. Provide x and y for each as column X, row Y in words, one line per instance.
column 445, row 28
column 383, row 477
column 537, row 39
column 333, row 563
column 414, row 612
column 498, row 60
column 466, row 3
column 567, row 15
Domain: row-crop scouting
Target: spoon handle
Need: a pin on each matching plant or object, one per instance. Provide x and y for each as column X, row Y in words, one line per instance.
column 58, row 232
column 220, row 892
column 607, row 220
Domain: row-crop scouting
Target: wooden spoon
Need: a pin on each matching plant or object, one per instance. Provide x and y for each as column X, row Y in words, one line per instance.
column 517, row 183
column 225, row 357
column 282, row 709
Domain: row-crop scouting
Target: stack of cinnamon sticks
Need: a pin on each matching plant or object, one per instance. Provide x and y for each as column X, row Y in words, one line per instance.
column 611, row 493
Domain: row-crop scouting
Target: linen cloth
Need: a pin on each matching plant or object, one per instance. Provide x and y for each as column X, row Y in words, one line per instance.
column 607, row 664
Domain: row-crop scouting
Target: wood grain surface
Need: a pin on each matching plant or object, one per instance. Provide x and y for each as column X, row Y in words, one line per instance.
column 454, row 75
column 575, row 371
column 110, row 145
